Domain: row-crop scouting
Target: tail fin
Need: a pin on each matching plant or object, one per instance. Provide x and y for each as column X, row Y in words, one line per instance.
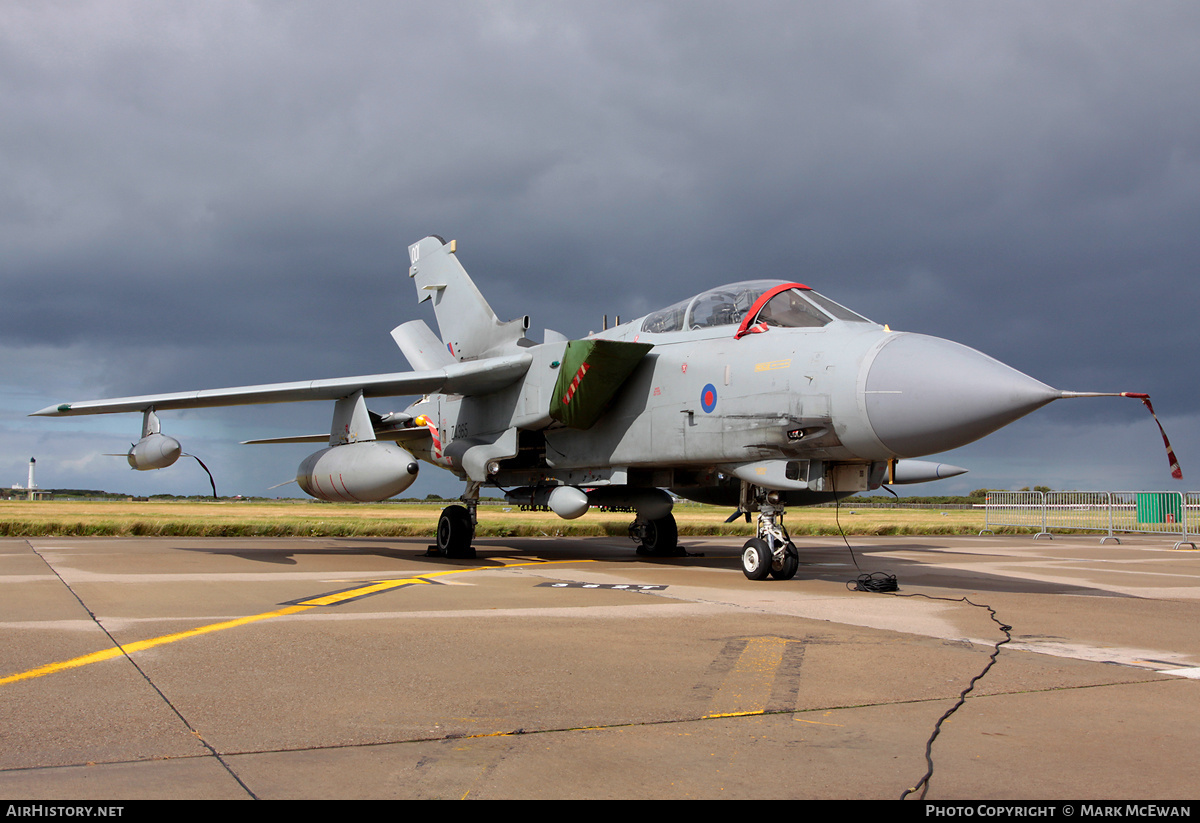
column 468, row 326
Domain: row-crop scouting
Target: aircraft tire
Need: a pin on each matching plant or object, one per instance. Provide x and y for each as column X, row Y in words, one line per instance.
column 455, row 531
column 756, row 559
column 790, row 565
column 661, row 536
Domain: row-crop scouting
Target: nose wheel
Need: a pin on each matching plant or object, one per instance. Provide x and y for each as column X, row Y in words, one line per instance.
column 759, row 562
column 786, row 568
column 756, row 559
column 771, row 553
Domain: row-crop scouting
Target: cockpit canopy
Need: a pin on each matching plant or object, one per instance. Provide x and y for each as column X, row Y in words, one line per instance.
column 773, row 302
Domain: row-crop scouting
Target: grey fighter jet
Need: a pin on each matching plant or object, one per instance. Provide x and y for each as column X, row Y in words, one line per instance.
column 756, row 395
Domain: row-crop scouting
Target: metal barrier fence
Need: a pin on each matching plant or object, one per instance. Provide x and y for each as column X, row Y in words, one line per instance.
column 1021, row 509
column 1173, row 513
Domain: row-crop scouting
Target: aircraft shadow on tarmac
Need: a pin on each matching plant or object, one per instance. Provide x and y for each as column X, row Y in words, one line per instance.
column 918, row 574
column 287, row 556
column 816, row 563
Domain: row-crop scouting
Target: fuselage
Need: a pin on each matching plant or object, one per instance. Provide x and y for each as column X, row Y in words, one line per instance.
column 729, row 385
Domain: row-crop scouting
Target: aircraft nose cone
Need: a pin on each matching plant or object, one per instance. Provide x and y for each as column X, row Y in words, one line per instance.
column 926, row 395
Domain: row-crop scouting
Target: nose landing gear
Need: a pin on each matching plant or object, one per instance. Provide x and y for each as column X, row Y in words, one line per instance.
column 771, row 553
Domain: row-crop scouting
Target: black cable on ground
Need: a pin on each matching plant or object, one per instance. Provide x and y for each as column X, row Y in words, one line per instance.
column 886, row 583
column 878, row 582
column 837, row 521
column 865, row 582
column 923, row 783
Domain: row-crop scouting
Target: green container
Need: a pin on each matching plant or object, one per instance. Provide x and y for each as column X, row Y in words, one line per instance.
column 1159, row 507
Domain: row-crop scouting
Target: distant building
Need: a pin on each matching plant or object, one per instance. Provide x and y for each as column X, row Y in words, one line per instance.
column 30, row 489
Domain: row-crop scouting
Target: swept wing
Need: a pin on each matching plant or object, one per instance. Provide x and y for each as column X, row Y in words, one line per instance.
column 471, row 377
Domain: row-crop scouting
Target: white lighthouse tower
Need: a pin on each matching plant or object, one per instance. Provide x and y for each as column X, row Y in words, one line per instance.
column 30, row 488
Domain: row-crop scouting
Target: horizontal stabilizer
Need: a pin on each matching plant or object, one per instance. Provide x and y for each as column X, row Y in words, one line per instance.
column 420, row 346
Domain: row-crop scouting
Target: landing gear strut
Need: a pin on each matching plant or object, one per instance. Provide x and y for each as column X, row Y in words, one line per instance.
column 771, row 552
column 656, row 537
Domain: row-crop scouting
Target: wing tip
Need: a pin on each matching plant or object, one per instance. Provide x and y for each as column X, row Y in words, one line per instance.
column 52, row 411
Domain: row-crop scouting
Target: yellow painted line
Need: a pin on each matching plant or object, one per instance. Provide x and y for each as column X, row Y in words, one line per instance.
column 375, row 588
column 142, row 645
column 95, row 657
column 747, row 688
column 326, row 600
column 817, row 722
column 734, row 714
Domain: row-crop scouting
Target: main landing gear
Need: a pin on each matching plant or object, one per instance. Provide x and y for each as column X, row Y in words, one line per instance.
column 455, row 531
column 456, row 526
column 656, row 537
column 771, row 552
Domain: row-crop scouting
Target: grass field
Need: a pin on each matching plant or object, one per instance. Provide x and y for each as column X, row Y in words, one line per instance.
column 304, row 518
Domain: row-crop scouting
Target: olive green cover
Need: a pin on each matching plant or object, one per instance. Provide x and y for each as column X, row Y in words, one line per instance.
column 589, row 376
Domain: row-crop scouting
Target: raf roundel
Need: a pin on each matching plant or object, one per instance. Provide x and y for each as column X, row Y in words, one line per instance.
column 708, row 398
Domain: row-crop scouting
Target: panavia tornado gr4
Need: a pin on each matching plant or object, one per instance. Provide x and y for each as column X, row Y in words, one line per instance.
column 757, row 395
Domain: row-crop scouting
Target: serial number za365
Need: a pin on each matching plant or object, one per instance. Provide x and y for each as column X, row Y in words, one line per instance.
column 626, row 586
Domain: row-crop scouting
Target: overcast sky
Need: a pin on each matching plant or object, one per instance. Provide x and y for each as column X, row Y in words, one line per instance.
column 199, row 194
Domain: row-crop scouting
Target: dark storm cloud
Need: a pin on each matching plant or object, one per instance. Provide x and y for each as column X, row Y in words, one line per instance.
column 198, row 194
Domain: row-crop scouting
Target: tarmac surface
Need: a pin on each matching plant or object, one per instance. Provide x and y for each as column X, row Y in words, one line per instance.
column 555, row 668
